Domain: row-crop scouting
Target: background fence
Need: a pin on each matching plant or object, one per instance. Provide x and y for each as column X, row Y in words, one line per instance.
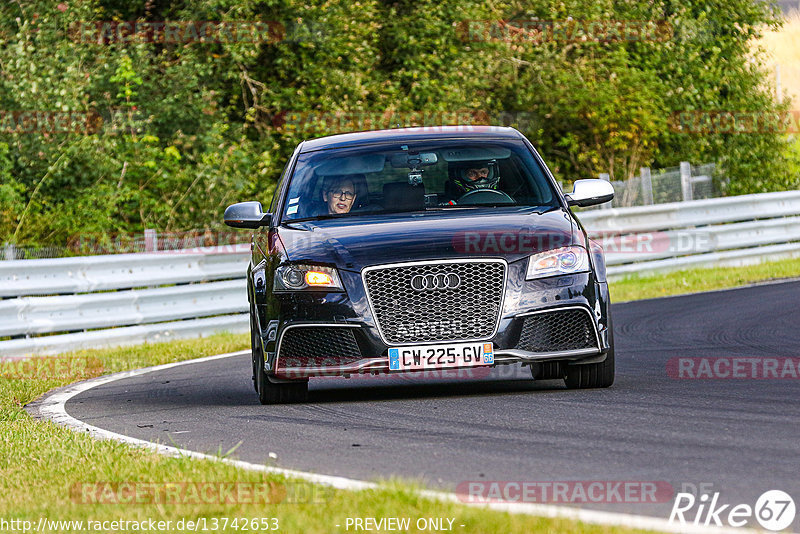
column 49, row 306
column 672, row 184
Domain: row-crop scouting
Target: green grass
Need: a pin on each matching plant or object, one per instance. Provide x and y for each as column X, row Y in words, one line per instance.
column 44, row 468
column 696, row 280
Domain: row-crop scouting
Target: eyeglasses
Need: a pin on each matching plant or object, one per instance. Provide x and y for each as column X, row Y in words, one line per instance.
column 344, row 195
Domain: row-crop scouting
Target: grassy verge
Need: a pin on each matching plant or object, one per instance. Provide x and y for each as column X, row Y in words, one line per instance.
column 696, row 280
column 54, row 473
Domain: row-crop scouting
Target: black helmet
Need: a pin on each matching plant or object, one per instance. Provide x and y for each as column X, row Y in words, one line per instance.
column 459, row 175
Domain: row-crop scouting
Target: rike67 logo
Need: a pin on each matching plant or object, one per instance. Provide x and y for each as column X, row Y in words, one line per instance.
column 774, row 510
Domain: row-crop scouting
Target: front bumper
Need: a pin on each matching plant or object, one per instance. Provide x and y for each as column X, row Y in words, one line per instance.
column 348, row 321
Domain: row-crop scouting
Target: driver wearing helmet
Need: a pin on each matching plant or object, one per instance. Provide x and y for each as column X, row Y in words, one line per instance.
column 470, row 176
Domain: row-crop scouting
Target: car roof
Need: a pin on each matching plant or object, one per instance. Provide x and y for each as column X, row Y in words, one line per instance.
column 409, row 134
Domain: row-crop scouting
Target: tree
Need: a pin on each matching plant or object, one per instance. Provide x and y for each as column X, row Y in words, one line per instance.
column 175, row 129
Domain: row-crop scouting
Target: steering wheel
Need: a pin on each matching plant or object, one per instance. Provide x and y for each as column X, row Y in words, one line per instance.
column 485, row 196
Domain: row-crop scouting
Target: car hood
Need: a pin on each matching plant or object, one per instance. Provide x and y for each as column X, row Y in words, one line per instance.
column 356, row 242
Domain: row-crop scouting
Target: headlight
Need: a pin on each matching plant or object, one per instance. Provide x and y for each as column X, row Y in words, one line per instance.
column 306, row 277
column 565, row 260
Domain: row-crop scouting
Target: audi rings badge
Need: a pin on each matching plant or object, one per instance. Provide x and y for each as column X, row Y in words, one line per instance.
column 432, row 282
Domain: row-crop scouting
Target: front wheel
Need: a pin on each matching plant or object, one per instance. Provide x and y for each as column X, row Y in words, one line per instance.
column 272, row 392
column 255, row 351
column 593, row 375
column 548, row 370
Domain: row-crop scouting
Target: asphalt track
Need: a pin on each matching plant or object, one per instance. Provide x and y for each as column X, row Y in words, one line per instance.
column 739, row 437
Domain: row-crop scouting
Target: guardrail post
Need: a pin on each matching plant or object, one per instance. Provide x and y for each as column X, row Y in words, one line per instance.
column 647, row 186
column 10, row 251
column 150, row 240
column 607, row 177
column 686, row 180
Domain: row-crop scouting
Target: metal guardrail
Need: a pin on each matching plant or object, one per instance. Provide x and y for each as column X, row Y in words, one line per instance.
column 96, row 301
column 42, row 315
column 57, row 305
column 693, row 213
column 648, row 246
column 120, row 271
column 739, row 230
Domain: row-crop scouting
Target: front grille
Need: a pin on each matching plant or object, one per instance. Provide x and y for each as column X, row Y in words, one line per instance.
column 408, row 315
column 317, row 346
column 558, row 330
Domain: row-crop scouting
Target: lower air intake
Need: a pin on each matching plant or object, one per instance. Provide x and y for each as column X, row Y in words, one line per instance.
column 317, row 346
column 558, row 330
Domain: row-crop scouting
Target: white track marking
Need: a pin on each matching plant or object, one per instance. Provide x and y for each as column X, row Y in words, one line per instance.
column 53, row 407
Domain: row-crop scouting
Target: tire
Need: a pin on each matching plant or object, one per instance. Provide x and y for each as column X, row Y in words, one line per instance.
column 593, row 375
column 272, row 392
column 281, row 393
column 255, row 351
column 548, row 370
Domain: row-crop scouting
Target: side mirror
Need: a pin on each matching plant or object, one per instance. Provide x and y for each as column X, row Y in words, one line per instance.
column 246, row 215
column 590, row 193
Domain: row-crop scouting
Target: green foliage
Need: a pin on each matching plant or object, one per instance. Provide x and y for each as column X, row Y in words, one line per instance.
column 189, row 127
column 606, row 106
column 11, row 191
column 127, row 79
column 712, row 64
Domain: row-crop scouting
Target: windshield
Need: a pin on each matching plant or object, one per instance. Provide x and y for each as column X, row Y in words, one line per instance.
column 448, row 174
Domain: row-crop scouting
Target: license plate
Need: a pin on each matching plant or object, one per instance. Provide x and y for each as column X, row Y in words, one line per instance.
column 419, row 357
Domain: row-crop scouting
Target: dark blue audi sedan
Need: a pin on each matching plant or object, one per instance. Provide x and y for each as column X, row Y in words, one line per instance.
column 421, row 249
